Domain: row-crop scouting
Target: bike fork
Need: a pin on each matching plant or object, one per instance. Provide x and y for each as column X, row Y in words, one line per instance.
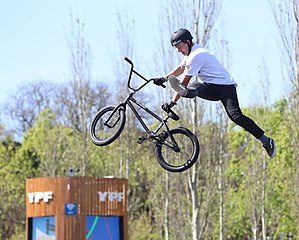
column 112, row 114
column 173, row 143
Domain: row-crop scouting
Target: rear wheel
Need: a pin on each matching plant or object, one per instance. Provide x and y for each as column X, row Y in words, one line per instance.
column 106, row 127
column 180, row 156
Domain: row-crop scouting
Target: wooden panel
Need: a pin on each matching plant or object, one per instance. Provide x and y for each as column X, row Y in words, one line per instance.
column 84, row 191
column 40, row 208
column 93, row 196
column 70, row 227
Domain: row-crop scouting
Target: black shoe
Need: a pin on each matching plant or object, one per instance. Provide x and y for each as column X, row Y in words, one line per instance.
column 270, row 147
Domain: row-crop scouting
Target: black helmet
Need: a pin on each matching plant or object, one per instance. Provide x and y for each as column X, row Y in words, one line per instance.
column 181, row 35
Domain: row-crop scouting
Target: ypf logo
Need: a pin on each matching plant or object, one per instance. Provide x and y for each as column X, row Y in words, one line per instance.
column 111, row 196
column 36, row 197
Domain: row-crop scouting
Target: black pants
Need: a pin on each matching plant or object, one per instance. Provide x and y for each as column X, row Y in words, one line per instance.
column 227, row 94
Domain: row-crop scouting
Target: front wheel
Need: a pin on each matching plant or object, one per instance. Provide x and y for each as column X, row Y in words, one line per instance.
column 178, row 150
column 107, row 125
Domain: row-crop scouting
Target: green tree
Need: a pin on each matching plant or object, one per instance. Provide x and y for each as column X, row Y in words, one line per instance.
column 12, row 187
column 286, row 18
column 245, row 175
column 54, row 146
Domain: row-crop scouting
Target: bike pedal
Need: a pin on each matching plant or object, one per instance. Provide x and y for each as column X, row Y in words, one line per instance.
column 141, row 140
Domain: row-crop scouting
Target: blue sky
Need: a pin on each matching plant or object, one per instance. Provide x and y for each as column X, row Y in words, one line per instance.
column 34, row 40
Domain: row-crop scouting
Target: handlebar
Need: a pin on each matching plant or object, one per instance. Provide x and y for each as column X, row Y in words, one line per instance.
column 139, row 75
column 169, row 112
column 129, row 61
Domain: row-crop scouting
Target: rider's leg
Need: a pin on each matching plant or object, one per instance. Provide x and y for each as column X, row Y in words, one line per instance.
column 202, row 90
column 194, row 89
column 229, row 99
column 228, row 96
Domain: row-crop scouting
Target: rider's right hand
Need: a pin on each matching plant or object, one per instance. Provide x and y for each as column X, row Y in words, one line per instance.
column 167, row 106
column 159, row 81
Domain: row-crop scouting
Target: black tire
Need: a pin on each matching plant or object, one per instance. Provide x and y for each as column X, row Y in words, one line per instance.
column 100, row 133
column 182, row 159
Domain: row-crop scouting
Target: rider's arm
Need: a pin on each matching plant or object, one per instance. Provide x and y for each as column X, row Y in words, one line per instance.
column 176, row 71
column 185, row 81
column 175, row 97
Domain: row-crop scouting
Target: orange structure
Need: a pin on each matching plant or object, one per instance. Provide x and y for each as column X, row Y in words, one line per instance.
column 75, row 208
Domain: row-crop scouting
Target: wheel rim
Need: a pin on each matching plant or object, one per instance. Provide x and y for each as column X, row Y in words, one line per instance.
column 102, row 130
column 178, row 156
column 177, row 161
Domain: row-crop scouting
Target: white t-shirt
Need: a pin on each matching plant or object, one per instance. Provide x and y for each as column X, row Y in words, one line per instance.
column 201, row 63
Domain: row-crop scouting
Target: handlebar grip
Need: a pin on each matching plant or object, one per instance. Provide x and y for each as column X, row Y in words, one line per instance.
column 128, row 60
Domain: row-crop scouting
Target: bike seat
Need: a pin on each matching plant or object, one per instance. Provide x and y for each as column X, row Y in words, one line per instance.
column 170, row 113
column 173, row 115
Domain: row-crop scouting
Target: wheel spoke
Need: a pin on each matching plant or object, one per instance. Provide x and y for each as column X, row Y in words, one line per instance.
column 181, row 157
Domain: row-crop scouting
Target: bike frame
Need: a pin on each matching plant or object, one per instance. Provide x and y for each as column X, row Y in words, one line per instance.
column 131, row 101
column 175, row 149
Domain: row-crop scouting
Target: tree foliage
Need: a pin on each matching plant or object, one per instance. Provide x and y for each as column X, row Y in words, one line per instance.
column 233, row 192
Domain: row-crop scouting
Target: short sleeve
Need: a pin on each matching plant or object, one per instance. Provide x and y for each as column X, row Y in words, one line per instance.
column 193, row 65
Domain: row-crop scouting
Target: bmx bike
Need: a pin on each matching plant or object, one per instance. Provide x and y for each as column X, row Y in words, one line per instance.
column 176, row 149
